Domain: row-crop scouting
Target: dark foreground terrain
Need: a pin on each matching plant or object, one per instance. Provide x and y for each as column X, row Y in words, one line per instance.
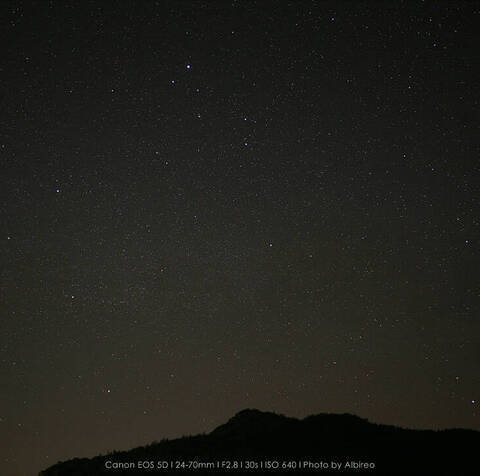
column 255, row 442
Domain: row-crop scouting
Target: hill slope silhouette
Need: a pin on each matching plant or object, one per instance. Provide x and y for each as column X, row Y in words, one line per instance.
column 307, row 446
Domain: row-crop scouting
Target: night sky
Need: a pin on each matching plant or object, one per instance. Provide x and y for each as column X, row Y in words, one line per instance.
column 210, row 205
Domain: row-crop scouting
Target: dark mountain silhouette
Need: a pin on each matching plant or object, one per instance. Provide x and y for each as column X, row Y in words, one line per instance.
column 263, row 440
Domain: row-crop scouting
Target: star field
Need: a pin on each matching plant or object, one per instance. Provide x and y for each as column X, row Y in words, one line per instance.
column 209, row 206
